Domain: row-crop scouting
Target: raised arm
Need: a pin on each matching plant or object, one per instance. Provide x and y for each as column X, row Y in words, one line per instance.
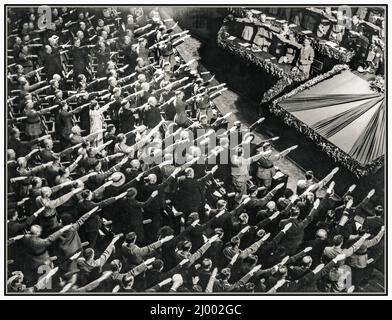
column 60, row 186
column 312, row 214
column 108, row 251
column 263, row 201
column 211, row 281
column 146, row 250
column 202, row 250
column 61, row 200
column 84, row 218
column 372, row 242
column 351, row 250
column 73, row 166
column 251, row 249
column 298, row 256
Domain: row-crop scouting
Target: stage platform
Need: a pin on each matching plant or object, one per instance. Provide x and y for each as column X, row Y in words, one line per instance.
column 341, row 113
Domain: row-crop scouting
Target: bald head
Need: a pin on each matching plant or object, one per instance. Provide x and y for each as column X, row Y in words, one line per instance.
column 48, row 143
column 36, row 230
column 307, row 261
column 22, row 162
column 152, row 101
column 271, row 205
column 46, row 192
column 321, row 234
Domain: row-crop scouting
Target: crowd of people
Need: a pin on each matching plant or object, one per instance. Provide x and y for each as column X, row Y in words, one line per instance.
column 123, row 176
column 361, row 33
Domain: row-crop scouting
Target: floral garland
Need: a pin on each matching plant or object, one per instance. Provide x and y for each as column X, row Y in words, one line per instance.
column 268, row 66
column 378, row 84
column 343, row 56
column 330, row 149
column 285, row 78
column 278, row 88
column 310, row 83
column 320, row 45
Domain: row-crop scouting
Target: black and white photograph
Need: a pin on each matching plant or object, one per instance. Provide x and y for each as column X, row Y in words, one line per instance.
column 197, row 150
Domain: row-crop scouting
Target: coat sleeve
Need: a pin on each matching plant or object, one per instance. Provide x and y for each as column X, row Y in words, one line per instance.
column 53, row 237
column 252, row 249
column 104, row 256
column 147, row 249
column 350, row 251
column 107, row 202
column 271, row 245
column 171, row 272
column 205, row 178
column 263, row 201
column 263, row 223
column 138, row 270
column 81, row 220
column 372, row 242
column 309, row 218
column 264, row 273
column 295, row 257
column 59, row 201
column 165, row 183
column 199, row 253
column 19, row 227
column 144, row 204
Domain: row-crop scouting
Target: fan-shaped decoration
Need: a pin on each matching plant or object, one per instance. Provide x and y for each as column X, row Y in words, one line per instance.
column 341, row 112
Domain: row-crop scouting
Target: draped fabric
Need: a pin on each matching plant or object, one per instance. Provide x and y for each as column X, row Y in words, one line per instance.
column 352, row 117
column 308, row 102
column 371, row 143
column 330, row 126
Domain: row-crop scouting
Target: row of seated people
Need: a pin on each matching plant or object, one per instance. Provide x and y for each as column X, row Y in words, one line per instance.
column 141, row 185
column 281, row 39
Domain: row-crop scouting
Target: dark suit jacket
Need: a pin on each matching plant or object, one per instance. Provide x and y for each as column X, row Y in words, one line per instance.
column 295, row 234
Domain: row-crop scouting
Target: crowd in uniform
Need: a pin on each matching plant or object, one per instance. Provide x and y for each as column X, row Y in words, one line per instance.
column 123, row 176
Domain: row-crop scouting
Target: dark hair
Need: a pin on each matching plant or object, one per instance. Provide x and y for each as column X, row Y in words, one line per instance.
column 295, row 211
column 288, row 193
column 309, row 175
column 11, row 213
column 362, row 230
column 85, row 193
column 120, row 137
column 280, row 251
column 282, row 270
column 127, row 280
column 235, row 241
column 250, row 259
column 338, row 240
column 186, row 245
column 157, row 264
column 225, row 273
column 165, row 231
column 61, row 171
column 66, row 219
column 34, row 182
column 88, row 253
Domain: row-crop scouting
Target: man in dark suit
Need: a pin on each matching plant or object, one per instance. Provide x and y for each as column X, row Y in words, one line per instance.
column 295, row 236
column 374, row 223
column 318, row 245
column 92, row 226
